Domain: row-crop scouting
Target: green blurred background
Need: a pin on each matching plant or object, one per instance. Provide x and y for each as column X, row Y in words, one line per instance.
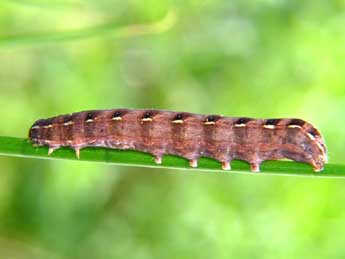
column 266, row 58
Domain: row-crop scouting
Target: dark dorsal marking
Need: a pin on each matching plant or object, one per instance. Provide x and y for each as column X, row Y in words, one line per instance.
column 179, row 116
column 314, row 132
column 67, row 118
column 40, row 123
column 90, row 116
column 210, row 118
column 48, row 122
column 147, row 115
column 296, row 122
column 243, row 120
column 117, row 114
column 272, row 122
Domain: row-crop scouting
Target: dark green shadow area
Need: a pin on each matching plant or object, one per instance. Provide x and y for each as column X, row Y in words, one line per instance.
column 20, row 147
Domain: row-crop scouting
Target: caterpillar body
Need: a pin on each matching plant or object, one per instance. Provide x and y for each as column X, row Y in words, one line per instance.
column 184, row 134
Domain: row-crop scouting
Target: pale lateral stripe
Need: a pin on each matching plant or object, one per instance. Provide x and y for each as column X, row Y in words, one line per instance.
column 177, row 121
column 310, row 136
column 269, row 126
column 240, row 125
column 68, row 123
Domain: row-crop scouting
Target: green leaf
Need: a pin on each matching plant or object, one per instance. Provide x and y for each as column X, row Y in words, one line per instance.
column 110, row 28
column 20, row 147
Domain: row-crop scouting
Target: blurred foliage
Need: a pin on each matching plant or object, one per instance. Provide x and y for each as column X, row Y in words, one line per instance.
column 267, row 58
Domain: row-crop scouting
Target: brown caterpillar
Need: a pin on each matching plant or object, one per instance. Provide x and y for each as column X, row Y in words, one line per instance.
column 185, row 134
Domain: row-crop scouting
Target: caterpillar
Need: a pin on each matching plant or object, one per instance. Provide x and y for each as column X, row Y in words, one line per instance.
column 184, row 134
